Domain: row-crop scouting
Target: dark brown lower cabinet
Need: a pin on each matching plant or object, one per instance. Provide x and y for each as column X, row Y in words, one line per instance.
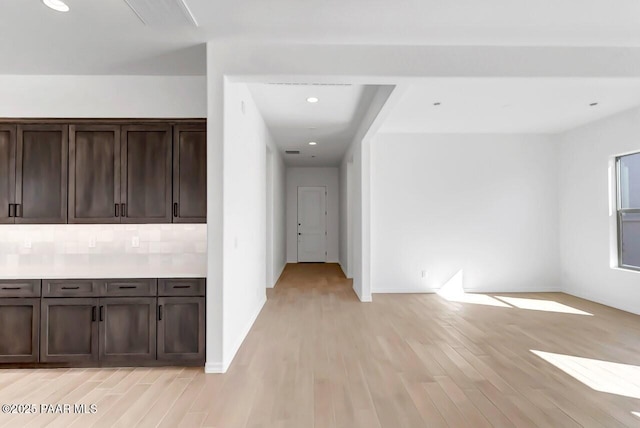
column 127, row 329
column 78, row 322
column 69, row 330
column 181, row 328
column 19, row 321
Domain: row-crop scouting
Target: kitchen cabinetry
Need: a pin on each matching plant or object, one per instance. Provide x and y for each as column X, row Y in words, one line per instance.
column 127, row 329
column 189, row 174
column 102, row 172
column 7, row 173
column 94, row 174
column 41, row 174
column 146, row 174
column 69, row 330
column 181, row 319
column 98, row 322
column 19, row 320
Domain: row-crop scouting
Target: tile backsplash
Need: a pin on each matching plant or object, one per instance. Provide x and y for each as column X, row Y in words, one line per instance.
column 103, row 251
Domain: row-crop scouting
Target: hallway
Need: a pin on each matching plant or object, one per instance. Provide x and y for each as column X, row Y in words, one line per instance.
column 317, row 357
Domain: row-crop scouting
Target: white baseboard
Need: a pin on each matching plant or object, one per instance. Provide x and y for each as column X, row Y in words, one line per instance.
column 362, row 298
column 397, row 290
column 214, row 368
column 284, row 265
column 245, row 331
column 601, row 301
column 410, row 290
column 277, row 276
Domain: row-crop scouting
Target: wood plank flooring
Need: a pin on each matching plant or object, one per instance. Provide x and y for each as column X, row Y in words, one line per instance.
column 316, row 357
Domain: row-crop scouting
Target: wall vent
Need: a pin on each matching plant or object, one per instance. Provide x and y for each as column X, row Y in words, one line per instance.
column 292, row 152
column 165, row 13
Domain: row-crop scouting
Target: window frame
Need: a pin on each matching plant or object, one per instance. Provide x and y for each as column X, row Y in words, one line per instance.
column 621, row 211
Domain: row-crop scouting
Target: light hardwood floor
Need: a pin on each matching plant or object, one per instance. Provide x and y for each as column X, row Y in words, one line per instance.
column 316, row 357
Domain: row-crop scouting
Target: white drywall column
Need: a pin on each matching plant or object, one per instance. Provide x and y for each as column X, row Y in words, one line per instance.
column 215, row 140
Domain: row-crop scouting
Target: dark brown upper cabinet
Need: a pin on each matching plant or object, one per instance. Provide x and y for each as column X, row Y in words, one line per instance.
column 7, row 173
column 146, row 174
column 190, row 173
column 94, row 174
column 41, row 174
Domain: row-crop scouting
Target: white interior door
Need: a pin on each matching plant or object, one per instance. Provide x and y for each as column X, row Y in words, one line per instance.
column 312, row 224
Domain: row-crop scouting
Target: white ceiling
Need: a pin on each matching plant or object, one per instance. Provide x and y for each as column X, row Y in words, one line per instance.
column 105, row 36
column 294, row 122
column 508, row 105
column 94, row 37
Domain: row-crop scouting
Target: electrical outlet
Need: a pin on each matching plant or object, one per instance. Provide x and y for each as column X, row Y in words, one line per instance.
column 92, row 242
column 27, row 243
column 424, row 274
column 135, row 241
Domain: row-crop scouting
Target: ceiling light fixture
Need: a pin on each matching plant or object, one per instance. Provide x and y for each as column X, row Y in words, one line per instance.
column 312, row 143
column 57, row 5
column 593, row 104
column 312, row 100
column 436, row 104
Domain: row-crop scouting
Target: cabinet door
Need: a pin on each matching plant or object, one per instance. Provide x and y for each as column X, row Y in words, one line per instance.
column 146, row 174
column 41, row 174
column 7, row 173
column 94, row 174
column 19, row 320
column 181, row 329
column 189, row 174
column 69, row 330
column 128, row 329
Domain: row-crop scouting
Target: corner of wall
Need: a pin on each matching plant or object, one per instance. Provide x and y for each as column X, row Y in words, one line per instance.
column 231, row 354
column 215, row 368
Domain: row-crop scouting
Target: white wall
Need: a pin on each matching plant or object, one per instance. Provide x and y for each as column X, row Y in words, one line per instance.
column 244, row 212
column 279, row 216
column 586, row 221
column 310, row 176
column 357, row 158
column 483, row 204
column 103, row 96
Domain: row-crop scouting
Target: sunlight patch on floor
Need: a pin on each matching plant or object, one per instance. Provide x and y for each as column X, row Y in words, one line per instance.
column 454, row 292
column 541, row 305
column 603, row 376
column 636, row 414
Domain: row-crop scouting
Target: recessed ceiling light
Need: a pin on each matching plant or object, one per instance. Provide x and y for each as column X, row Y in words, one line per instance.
column 312, row 143
column 593, row 104
column 58, row 5
column 312, row 100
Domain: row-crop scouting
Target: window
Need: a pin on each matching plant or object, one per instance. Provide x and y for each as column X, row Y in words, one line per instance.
column 628, row 172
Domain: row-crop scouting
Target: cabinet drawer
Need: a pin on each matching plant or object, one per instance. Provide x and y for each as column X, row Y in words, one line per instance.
column 181, row 287
column 71, row 288
column 131, row 287
column 20, row 288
